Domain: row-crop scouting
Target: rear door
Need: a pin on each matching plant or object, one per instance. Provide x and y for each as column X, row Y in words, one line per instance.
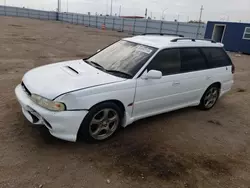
column 220, row 66
column 194, row 76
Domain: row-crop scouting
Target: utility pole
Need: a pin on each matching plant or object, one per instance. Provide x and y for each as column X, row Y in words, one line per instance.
column 4, row 2
column 58, row 5
column 120, row 9
column 107, row 7
column 111, row 7
column 178, row 17
column 198, row 29
column 67, row 6
column 162, row 15
column 146, row 13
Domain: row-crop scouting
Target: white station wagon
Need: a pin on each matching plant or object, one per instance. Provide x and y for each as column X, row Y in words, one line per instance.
column 131, row 79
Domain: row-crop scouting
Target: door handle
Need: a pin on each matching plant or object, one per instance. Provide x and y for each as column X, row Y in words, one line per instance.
column 175, row 83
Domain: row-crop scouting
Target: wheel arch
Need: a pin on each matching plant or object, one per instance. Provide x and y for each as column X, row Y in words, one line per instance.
column 216, row 84
column 115, row 101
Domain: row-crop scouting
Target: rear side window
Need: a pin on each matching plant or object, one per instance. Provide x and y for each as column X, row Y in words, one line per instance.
column 167, row 61
column 192, row 60
column 216, row 57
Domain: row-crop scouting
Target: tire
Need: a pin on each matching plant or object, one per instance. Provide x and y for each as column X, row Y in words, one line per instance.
column 104, row 117
column 213, row 91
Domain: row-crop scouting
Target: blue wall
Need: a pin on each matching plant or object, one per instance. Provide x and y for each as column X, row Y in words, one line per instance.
column 233, row 37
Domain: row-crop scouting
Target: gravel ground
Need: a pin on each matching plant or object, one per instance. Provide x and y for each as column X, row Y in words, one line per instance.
column 185, row 148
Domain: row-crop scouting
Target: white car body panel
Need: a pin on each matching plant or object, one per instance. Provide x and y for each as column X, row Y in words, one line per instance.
column 62, row 79
column 140, row 97
column 65, row 124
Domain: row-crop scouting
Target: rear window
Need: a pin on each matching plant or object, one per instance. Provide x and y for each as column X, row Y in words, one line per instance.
column 216, row 57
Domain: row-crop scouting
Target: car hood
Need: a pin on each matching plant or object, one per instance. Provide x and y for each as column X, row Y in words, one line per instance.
column 55, row 79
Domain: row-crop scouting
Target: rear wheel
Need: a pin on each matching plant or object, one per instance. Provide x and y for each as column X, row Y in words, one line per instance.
column 101, row 122
column 210, row 97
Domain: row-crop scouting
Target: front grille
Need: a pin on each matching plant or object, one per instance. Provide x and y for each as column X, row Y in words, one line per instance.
column 26, row 89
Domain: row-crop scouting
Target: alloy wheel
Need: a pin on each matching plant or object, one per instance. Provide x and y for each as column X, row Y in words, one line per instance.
column 104, row 123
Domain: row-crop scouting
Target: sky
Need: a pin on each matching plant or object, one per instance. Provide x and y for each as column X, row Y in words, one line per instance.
column 224, row 10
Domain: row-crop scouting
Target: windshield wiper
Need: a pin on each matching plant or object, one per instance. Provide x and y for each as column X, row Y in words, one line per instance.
column 120, row 72
column 127, row 75
column 95, row 64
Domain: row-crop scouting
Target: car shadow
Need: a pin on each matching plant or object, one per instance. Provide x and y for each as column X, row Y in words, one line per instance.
column 137, row 126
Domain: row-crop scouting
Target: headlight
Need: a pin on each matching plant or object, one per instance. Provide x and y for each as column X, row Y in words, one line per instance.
column 48, row 104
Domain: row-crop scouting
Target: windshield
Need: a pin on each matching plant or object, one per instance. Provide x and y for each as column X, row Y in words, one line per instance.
column 123, row 57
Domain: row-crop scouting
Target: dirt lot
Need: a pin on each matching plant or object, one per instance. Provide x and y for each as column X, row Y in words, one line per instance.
column 186, row 148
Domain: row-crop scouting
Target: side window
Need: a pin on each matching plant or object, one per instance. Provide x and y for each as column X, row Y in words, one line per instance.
column 216, row 57
column 192, row 60
column 246, row 34
column 166, row 61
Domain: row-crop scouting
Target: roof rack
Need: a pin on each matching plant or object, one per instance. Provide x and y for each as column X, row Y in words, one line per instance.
column 211, row 40
column 185, row 38
column 193, row 40
column 162, row 34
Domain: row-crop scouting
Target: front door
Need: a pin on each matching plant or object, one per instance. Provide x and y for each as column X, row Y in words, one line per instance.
column 183, row 82
column 157, row 95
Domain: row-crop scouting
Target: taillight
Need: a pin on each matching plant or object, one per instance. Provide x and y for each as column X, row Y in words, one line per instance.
column 233, row 68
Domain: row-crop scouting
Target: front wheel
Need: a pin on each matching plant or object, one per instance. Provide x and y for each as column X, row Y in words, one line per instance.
column 210, row 97
column 101, row 122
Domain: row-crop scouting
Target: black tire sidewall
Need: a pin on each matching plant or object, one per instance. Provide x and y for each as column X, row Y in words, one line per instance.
column 84, row 128
column 202, row 103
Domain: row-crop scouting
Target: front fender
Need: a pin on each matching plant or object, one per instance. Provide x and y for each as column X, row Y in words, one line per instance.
column 86, row 98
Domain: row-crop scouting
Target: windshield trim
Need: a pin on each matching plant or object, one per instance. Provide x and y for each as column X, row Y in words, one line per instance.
column 143, row 68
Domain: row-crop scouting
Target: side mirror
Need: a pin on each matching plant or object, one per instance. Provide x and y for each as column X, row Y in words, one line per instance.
column 152, row 74
column 98, row 50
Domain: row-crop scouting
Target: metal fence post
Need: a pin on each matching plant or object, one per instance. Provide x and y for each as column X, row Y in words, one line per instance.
column 177, row 28
column 198, row 31
column 113, row 24
column 161, row 27
column 89, row 20
column 77, row 17
column 122, row 24
column 96, row 20
column 146, row 28
column 72, row 18
column 83, row 19
column 105, row 21
column 134, row 27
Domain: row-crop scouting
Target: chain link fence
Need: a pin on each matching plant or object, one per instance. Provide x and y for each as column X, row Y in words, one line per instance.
column 129, row 25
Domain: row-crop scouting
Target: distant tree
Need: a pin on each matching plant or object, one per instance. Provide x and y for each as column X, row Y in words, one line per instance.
column 196, row 21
